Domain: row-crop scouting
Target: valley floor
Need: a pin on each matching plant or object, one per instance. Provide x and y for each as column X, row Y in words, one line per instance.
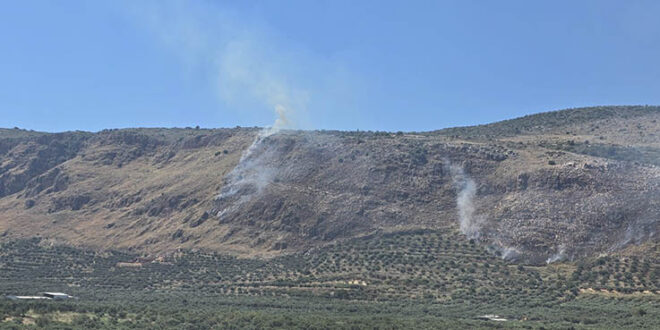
column 416, row 279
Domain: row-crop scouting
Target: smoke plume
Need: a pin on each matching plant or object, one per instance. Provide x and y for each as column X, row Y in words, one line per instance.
column 238, row 75
column 260, row 76
column 470, row 224
column 255, row 72
column 559, row 256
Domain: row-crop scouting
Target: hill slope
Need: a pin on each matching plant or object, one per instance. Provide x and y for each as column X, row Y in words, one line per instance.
column 551, row 186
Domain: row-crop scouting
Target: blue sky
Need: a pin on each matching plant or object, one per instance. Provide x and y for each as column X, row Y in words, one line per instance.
column 369, row 65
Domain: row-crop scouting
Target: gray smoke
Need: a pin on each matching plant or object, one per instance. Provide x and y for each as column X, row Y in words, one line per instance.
column 253, row 173
column 559, row 256
column 244, row 70
column 258, row 74
column 638, row 231
column 510, row 253
column 255, row 72
column 470, row 224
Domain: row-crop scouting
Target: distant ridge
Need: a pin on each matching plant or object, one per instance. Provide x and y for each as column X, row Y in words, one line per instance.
column 548, row 120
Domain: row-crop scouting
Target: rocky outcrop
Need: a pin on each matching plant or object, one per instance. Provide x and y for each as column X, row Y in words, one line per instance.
column 73, row 203
column 28, row 159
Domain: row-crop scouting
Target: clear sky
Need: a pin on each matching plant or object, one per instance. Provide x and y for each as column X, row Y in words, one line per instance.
column 369, row 65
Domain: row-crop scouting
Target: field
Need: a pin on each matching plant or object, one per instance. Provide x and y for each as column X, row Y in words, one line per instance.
column 414, row 279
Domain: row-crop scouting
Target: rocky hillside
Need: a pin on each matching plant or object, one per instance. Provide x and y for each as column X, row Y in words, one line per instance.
column 546, row 187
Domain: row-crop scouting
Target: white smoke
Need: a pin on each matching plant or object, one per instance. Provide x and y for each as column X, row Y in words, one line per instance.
column 559, row 256
column 265, row 78
column 251, row 175
column 252, row 69
column 510, row 253
column 238, row 76
column 637, row 231
column 246, row 75
column 259, row 76
column 470, row 224
column 254, row 170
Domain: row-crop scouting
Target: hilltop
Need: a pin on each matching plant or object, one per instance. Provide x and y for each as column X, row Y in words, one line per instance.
column 559, row 185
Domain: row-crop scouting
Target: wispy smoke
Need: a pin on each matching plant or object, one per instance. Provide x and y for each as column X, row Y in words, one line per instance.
column 559, row 256
column 250, row 176
column 247, row 76
column 261, row 76
column 470, row 224
column 253, row 71
column 510, row 253
column 637, row 231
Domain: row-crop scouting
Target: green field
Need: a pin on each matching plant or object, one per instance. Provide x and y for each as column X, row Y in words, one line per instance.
column 416, row 279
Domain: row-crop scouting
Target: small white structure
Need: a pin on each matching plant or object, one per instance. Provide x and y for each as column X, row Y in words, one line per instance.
column 44, row 296
column 491, row 317
column 57, row 295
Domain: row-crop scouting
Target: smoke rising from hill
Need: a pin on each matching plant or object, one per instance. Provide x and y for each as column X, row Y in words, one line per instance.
column 470, row 224
column 256, row 72
column 245, row 76
column 559, row 256
column 249, row 177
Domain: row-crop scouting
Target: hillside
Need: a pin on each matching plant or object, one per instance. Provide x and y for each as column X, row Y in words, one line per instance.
column 548, row 221
column 553, row 186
